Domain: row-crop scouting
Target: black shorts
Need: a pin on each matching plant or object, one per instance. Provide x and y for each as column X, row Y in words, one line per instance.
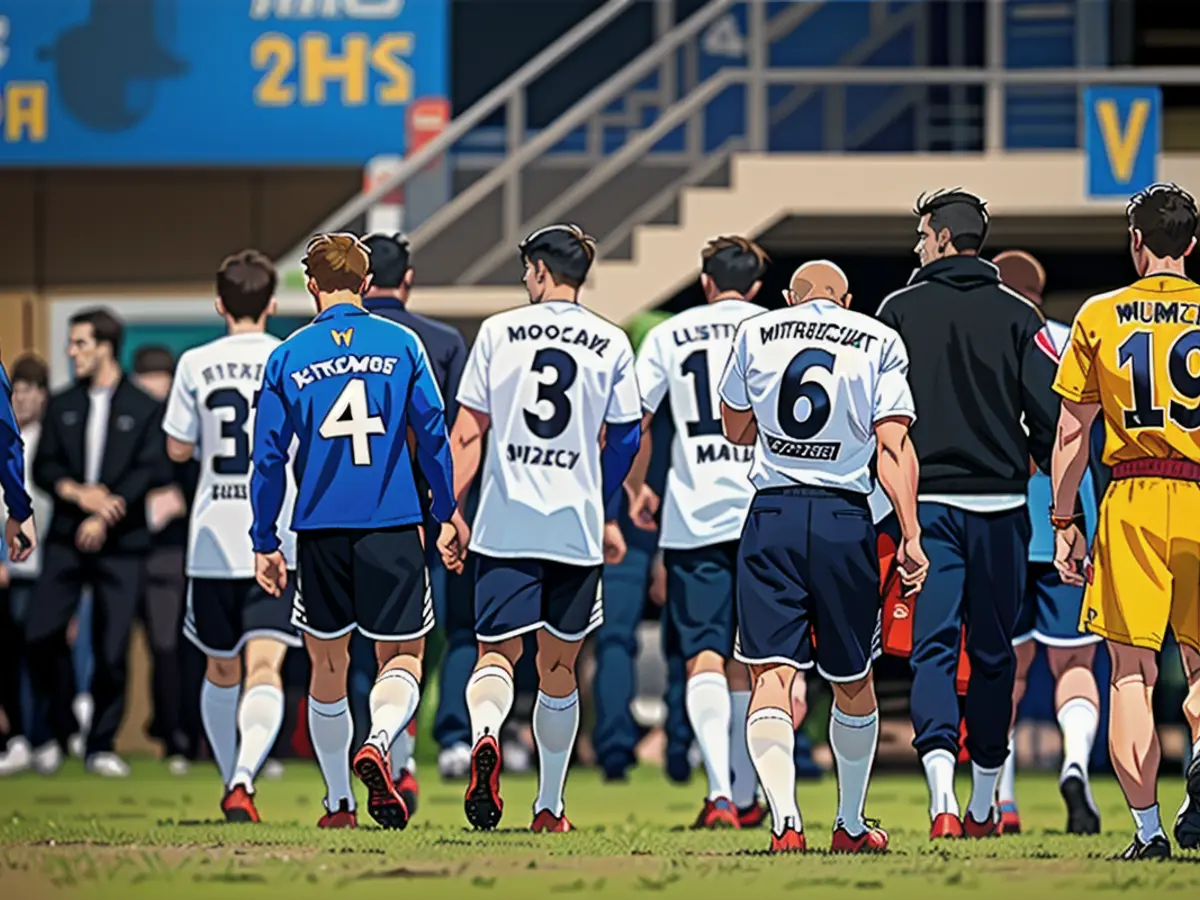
column 374, row 581
column 514, row 596
column 701, row 587
column 224, row 613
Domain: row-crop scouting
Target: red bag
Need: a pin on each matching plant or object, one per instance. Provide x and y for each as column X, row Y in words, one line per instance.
column 897, row 624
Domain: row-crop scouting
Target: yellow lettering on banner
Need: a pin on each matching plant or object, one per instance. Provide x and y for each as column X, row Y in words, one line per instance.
column 277, row 54
column 387, row 60
column 319, row 66
column 25, row 111
column 1121, row 145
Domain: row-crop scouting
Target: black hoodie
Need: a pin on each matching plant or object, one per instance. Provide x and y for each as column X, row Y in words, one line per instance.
column 977, row 371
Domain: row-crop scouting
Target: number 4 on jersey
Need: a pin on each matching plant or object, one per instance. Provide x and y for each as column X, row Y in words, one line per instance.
column 349, row 417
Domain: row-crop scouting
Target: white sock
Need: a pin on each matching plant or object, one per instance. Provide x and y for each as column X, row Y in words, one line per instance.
column 939, row 773
column 555, row 724
column 402, row 751
column 331, row 730
column 709, row 710
column 1078, row 720
column 772, row 741
column 489, row 699
column 853, row 740
column 393, row 701
column 745, row 782
column 1148, row 823
column 219, row 712
column 1007, row 791
column 983, row 792
column 259, row 720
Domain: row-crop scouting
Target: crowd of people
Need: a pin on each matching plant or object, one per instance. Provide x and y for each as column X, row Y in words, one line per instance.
column 797, row 488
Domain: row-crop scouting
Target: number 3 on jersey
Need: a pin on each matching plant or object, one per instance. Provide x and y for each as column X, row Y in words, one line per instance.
column 349, row 417
column 1137, row 352
column 566, row 370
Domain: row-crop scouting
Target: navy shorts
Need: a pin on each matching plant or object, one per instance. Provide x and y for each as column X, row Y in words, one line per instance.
column 514, row 596
column 808, row 567
column 224, row 613
column 374, row 581
column 1050, row 610
column 701, row 586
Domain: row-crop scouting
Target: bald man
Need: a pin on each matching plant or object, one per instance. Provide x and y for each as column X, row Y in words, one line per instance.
column 818, row 390
column 1050, row 612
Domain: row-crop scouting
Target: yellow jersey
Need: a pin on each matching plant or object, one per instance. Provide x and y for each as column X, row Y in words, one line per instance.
column 1136, row 352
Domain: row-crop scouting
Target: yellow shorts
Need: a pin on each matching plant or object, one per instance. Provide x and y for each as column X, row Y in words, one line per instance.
column 1146, row 560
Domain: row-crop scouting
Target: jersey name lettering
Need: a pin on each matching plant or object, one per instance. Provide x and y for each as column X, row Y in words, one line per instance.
column 527, row 455
column 817, row 331
column 711, row 331
column 565, row 334
column 723, row 452
column 1156, row 312
column 824, row 451
column 228, row 371
column 343, row 365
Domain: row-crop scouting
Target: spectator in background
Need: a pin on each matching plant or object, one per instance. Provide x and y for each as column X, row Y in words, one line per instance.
column 100, row 455
column 165, row 586
column 388, row 295
column 30, row 388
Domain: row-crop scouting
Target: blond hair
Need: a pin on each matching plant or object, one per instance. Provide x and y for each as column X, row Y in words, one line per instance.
column 337, row 262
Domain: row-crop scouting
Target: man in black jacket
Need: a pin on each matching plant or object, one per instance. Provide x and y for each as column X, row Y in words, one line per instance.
column 984, row 406
column 100, row 453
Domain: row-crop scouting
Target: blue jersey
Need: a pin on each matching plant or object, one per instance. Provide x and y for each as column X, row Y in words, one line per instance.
column 12, row 456
column 349, row 387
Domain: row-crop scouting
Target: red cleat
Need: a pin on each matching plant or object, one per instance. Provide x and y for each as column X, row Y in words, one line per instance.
column 988, row 829
column 482, row 804
column 718, row 813
column 238, row 806
column 1010, row 819
column 945, row 825
column 873, row 840
column 791, row 841
column 384, row 803
column 753, row 816
column 343, row 817
column 547, row 822
column 407, row 788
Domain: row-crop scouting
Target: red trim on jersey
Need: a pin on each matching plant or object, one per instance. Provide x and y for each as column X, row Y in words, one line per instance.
column 1046, row 344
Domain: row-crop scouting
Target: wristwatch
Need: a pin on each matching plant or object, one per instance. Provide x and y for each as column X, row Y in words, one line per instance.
column 1062, row 523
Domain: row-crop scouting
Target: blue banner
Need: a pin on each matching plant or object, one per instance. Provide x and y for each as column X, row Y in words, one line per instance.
column 1123, row 139
column 215, row 82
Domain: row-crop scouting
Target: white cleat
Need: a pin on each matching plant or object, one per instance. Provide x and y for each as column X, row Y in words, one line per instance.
column 17, row 758
column 77, row 745
column 272, row 770
column 48, row 758
column 178, row 766
column 107, row 765
column 454, row 763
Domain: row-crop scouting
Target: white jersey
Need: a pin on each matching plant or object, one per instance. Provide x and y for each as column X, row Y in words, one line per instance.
column 549, row 376
column 212, row 406
column 818, row 377
column 708, row 485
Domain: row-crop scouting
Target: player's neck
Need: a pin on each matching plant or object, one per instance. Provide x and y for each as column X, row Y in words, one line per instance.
column 246, row 326
column 107, row 375
column 560, row 293
column 725, row 295
column 400, row 295
column 340, row 298
column 1164, row 266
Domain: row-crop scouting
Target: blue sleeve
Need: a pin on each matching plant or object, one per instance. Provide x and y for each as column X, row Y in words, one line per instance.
column 427, row 417
column 12, row 463
column 272, row 440
column 1101, row 474
column 620, row 447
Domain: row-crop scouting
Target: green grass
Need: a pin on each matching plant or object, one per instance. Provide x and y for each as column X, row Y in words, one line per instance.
column 154, row 836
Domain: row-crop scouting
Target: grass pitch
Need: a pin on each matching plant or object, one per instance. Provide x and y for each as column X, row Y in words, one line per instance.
column 156, row 836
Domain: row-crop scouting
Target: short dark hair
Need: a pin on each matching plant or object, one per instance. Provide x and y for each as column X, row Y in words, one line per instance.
column 734, row 263
column 153, row 359
column 565, row 250
column 391, row 258
column 31, row 369
column 961, row 213
column 1165, row 214
column 106, row 327
column 246, row 283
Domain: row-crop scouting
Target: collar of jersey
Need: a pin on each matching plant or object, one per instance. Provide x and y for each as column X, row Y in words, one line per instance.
column 1173, row 282
column 338, row 311
column 382, row 303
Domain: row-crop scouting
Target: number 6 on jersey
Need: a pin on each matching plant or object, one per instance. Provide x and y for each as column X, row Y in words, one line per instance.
column 349, row 417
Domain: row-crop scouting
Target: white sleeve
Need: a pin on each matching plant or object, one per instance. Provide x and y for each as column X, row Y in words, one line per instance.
column 651, row 373
column 182, row 418
column 893, row 396
column 733, row 382
column 473, row 386
column 624, row 400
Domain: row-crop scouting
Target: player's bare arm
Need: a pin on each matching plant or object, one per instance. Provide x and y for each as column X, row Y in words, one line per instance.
column 1068, row 465
column 466, row 446
column 899, row 474
column 180, row 451
column 643, row 502
column 738, row 425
